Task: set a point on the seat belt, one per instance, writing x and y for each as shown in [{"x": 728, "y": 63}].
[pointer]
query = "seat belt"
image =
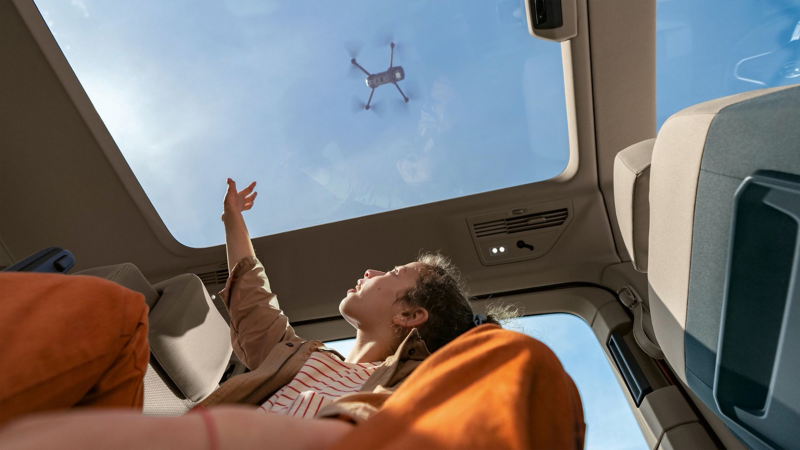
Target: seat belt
[{"x": 633, "y": 301}]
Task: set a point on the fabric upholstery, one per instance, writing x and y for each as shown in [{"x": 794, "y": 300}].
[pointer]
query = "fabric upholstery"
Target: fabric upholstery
[
  {"x": 126, "y": 275},
  {"x": 161, "y": 396},
  {"x": 632, "y": 199},
  {"x": 188, "y": 337},
  {"x": 490, "y": 388},
  {"x": 674, "y": 176},
  {"x": 69, "y": 341},
  {"x": 760, "y": 133}
]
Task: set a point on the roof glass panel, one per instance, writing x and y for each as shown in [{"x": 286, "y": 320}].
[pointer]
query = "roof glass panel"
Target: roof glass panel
[
  {"x": 195, "y": 92},
  {"x": 707, "y": 49}
]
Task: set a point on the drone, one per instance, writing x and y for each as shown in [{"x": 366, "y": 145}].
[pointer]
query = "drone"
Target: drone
[{"x": 392, "y": 75}]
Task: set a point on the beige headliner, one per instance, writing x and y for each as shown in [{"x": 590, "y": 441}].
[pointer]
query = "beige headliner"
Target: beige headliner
[{"x": 64, "y": 182}]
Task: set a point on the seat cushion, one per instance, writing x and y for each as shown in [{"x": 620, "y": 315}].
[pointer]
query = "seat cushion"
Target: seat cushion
[
  {"x": 161, "y": 396},
  {"x": 188, "y": 337}
]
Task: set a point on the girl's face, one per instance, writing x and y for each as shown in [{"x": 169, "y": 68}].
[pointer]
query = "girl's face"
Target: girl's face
[{"x": 372, "y": 303}]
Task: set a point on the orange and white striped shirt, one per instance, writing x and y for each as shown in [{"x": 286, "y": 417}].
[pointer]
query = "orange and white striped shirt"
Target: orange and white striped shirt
[{"x": 323, "y": 379}]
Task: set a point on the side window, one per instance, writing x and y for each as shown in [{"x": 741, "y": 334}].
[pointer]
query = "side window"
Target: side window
[
  {"x": 707, "y": 49},
  {"x": 343, "y": 346},
  {"x": 609, "y": 420}
]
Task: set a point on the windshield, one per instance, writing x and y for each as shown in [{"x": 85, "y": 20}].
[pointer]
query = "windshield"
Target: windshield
[{"x": 195, "y": 92}]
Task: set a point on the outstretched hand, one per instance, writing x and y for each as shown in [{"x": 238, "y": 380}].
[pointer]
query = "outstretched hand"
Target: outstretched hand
[{"x": 237, "y": 201}]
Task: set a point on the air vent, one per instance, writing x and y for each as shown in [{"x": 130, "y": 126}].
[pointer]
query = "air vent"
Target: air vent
[
  {"x": 219, "y": 276},
  {"x": 519, "y": 224}
]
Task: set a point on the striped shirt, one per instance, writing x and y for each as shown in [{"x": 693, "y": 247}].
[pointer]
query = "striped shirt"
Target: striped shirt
[{"x": 323, "y": 379}]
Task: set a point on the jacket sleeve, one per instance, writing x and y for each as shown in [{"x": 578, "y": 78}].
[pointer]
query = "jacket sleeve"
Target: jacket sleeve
[{"x": 257, "y": 322}]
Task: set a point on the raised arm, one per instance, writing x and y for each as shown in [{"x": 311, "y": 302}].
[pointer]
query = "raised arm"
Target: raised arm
[
  {"x": 237, "y": 239},
  {"x": 257, "y": 322}
]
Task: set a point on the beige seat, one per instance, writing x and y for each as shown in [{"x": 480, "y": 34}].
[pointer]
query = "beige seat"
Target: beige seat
[
  {"x": 189, "y": 340},
  {"x": 701, "y": 158},
  {"x": 631, "y": 198}
]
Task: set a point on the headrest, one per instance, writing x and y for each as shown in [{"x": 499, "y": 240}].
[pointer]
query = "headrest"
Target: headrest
[
  {"x": 188, "y": 337},
  {"x": 632, "y": 199},
  {"x": 126, "y": 275}
]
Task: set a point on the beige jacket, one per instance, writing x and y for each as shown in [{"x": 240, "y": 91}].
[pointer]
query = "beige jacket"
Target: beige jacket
[{"x": 265, "y": 342}]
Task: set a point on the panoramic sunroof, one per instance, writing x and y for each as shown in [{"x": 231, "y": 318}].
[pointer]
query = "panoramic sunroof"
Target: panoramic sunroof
[{"x": 195, "y": 92}]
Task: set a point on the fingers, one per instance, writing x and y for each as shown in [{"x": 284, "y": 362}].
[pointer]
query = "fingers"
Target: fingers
[
  {"x": 246, "y": 191},
  {"x": 231, "y": 185},
  {"x": 248, "y": 201}
]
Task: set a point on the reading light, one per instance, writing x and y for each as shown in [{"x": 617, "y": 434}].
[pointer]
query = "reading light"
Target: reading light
[
  {"x": 494, "y": 250},
  {"x": 502, "y": 249}
]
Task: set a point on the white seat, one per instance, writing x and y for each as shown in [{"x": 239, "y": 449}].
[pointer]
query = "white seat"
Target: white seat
[{"x": 189, "y": 340}]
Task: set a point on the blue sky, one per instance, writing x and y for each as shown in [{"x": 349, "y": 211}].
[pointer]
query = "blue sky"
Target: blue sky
[
  {"x": 707, "y": 49},
  {"x": 609, "y": 420},
  {"x": 196, "y": 91}
]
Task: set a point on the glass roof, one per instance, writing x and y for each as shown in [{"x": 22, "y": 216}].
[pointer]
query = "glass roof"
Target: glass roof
[
  {"x": 195, "y": 92},
  {"x": 714, "y": 48}
]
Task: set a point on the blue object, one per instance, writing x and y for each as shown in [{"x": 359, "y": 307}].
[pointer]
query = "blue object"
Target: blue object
[{"x": 49, "y": 260}]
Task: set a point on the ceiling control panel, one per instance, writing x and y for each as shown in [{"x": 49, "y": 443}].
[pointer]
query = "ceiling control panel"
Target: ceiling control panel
[{"x": 521, "y": 233}]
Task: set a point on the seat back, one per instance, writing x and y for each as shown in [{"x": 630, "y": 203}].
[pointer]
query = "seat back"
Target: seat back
[
  {"x": 189, "y": 340},
  {"x": 723, "y": 254}
]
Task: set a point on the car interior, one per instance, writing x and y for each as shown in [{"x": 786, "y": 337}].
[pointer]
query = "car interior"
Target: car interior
[{"x": 675, "y": 239}]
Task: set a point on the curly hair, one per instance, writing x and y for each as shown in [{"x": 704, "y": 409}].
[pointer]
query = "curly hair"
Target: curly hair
[{"x": 441, "y": 292}]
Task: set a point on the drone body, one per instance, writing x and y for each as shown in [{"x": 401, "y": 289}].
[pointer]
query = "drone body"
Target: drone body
[{"x": 391, "y": 75}]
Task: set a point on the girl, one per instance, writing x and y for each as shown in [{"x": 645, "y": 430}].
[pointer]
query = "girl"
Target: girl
[
  {"x": 400, "y": 316},
  {"x": 303, "y": 395}
]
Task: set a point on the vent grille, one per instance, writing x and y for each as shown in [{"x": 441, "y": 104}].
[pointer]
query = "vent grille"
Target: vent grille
[
  {"x": 219, "y": 276},
  {"x": 521, "y": 223}
]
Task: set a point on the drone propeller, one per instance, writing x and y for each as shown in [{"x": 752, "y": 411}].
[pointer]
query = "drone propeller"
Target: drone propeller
[
  {"x": 377, "y": 108},
  {"x": 411, "y": 89},
  {"x": 358, "y": 105},
  {"x": 353, "y": 48},
  {"x": 385, "y": 38}
]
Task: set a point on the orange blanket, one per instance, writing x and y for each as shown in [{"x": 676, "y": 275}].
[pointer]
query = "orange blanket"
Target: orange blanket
[
  {"x": 489, "y": 389},
  {"x": 69, "y": 340}
]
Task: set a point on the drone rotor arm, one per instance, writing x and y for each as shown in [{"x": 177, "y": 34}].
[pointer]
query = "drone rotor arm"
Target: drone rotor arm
[
  {"x": 353, "y": 61},
  {"x": 391, "y": 55},
  {"x": 370, "y": 98},
  {"x": 401, "y": 92}
]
